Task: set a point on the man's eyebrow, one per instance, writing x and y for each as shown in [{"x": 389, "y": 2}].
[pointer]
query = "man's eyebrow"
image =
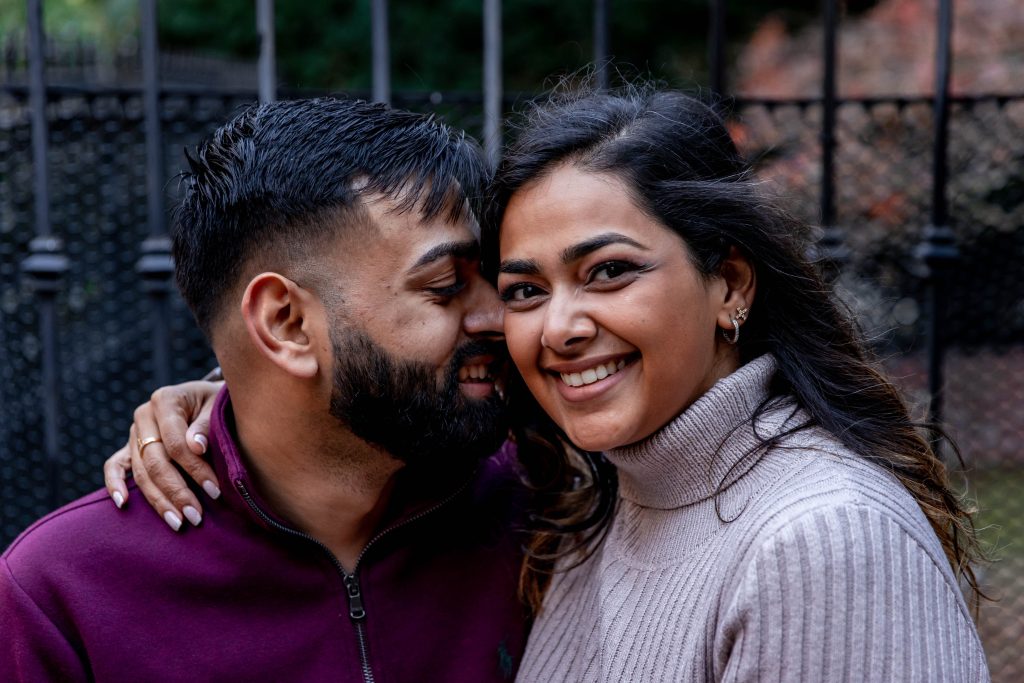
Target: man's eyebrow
[
  {"x": 469, "y": 249},
  {"x": 519, "y": 266},
  {"x": 578, "y": 251}
]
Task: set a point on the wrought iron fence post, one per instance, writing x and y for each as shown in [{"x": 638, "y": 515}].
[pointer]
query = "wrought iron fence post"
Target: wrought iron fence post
[
  {"x": 832, "y": 254},
  {"x": 492, "y": 81},
  {"x": 46, "y": 263},
  {"x": 155, "y": 265},
  {"x": 716, "y": 47},
  {"x": 267, "y": 66},
  {"x": 601, "y": 43},
  {"x": 938, "y": 250},
  {"x": 381, "y": 50}
]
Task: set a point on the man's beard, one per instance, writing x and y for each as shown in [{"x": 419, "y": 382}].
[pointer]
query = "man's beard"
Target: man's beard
[{"x": 399, "y": 406}]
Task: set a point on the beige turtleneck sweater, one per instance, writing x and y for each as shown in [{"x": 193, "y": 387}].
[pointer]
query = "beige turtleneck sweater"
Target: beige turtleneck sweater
[{"x": 827, "y": 571}]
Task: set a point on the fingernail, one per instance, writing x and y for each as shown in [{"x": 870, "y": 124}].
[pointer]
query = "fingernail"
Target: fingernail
[
  {"x": 173, "y": 520},
  {"x": 192, "y": 515},
  {"x": 212, "y": 490},
  {"x": 118, "y": 499},
  {"x": 201, "y": 440}
]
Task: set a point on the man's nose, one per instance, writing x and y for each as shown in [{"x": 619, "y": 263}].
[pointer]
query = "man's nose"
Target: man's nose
[{"x": 485, "y": 313}]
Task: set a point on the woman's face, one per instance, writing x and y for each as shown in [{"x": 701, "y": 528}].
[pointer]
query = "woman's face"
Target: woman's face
[{"x": 610, "y": 324}]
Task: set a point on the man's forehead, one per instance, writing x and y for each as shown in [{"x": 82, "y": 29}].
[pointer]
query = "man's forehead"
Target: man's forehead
[
  {"x": 422, "y": 240},
  {"x": 410, "y": 202}
]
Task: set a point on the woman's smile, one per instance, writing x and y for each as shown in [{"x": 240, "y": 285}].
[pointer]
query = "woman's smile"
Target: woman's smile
[{"x": 589, "y": 378}]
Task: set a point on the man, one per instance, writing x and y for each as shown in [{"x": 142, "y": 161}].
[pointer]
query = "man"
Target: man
[{"x": 327, "y": 249}]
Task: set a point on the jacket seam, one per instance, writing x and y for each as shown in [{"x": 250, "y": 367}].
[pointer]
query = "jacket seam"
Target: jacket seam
[
  {"x": 52, "y": 516},
  {"x": 28, "y": 596}
]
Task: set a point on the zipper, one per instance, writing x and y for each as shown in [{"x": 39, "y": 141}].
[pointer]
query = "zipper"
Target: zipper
[
  {"x": 356, "y": 609},
  {"x": 357, "y": 613}
]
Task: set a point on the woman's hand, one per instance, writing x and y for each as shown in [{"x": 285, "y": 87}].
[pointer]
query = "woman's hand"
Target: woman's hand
[{"x": 180, "y": 416}]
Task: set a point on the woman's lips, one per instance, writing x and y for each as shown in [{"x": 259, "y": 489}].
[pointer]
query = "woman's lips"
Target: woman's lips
[{"x": 587, "y": 379}]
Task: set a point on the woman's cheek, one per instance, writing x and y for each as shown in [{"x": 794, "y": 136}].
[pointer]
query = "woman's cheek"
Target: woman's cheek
[{"x": 517, "y": 338}]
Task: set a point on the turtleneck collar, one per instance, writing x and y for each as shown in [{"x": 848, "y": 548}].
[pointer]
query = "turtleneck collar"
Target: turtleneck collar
[{"x": 700, "y": 451}]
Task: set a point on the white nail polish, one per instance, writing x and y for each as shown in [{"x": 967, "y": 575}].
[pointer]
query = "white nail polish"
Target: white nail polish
[
  {"x": 173, "y": 520},
  {"x": 192, "y": 515},
  {"x": 118, "y": 499},
  {"x": 202, "y": 441},
  {"x": 212, "y": 490}
]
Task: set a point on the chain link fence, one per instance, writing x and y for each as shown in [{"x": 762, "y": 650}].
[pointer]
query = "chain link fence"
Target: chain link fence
[
  {"x": 883, "y": 197},
  {"x": 883, "y": 193}
]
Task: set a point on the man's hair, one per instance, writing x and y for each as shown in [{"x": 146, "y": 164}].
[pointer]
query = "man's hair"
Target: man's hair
[{"x": 279, "y": 178}]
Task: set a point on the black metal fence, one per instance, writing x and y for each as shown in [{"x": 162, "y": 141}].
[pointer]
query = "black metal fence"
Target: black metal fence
[{"x": 921, "y": 203}]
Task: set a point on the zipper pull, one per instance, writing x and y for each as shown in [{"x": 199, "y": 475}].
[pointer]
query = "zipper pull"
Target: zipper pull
[{"x": 355, "y": 599}]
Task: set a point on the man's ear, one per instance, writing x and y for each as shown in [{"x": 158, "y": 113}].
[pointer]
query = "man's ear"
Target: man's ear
[
  {"x": 741, "y": 283},
  {"x": 280, "y": 317}
]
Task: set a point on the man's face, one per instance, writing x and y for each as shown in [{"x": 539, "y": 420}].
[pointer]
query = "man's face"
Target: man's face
[{"x": 417, "y": 340}]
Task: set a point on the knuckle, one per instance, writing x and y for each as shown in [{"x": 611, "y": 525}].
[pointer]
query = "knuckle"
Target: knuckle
[
  {"x": 140, "y": 476},
  {"x": 167, "y": 480},
  {"x": 153, "y": 458},
  {"x": 196, "y": 468},
  {"x": 181, "y": 497},
  {"x": 174, "y": 445},
  {"x": 163, "y": 395}
]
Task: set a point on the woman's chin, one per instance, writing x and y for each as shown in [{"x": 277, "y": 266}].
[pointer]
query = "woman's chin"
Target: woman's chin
[{"x": 591, "y": 441}]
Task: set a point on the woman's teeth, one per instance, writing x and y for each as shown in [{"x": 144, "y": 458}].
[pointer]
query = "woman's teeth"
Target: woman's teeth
[
  {"x": 472, "y": 372},
  {"x": 591, "y": 375}
]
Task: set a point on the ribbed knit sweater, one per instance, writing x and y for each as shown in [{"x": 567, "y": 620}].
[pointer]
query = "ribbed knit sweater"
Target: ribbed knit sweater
[{"x": 825, "y": 569}]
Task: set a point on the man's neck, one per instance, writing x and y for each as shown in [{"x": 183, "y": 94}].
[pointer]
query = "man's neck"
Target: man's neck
[{"x": 323, "y": 480}]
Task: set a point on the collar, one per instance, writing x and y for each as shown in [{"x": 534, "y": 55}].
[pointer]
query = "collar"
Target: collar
[{"x": 701, "y": 451}]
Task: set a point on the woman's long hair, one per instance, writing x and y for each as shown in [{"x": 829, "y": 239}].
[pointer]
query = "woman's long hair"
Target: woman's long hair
[{"x": 676, "y": 156}]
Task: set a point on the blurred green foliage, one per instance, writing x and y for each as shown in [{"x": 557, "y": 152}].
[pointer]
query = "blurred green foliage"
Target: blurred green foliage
[
  {"x": 104, "y": 22},
  {"x": 435, "y": 44}
]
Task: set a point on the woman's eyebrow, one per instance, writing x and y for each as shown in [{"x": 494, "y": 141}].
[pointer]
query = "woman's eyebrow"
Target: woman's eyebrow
[
  {"x": 570, "y": 254},
  {"x": 578, "y": 251},
  {"x": 519, "y": 267}
]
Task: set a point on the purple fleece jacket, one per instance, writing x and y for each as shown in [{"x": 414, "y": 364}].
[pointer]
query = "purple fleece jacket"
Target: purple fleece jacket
[{"x": 93, "y": 593}]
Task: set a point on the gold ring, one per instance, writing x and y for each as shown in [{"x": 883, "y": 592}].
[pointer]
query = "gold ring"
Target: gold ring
[{"x": 145, "y": 442}]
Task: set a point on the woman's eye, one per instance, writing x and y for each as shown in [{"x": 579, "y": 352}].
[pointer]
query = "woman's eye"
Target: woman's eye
[
  {"x": 611, "y": 270},
  {"x": 520, "y": 292}
]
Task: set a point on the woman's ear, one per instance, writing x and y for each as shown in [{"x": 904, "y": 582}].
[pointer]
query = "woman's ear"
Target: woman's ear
[
  {"x": 280, "y": 317},
  {"x": 741, "y": 283}
]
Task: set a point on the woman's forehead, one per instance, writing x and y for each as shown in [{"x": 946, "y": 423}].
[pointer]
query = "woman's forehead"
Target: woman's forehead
[{"x": 571, "y": 204}]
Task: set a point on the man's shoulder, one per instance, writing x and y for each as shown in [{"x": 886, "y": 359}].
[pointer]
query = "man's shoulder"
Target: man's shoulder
[
  {"x": 72, "y": 522},
  {"x": 86, "y": 532}
]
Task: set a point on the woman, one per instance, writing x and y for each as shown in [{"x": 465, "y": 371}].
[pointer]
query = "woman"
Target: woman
[
  {"x": 770, "y": 481},
  {"x": 764, "y": 507}
]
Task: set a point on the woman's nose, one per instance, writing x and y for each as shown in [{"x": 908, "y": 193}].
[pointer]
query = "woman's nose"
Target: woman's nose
[{"x": 567, "y": 324}]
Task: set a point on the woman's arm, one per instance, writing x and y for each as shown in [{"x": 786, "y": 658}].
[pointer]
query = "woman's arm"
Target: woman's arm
[
  {"x": 848, "y": 593},
  {"x": 179, "y": 416}
]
